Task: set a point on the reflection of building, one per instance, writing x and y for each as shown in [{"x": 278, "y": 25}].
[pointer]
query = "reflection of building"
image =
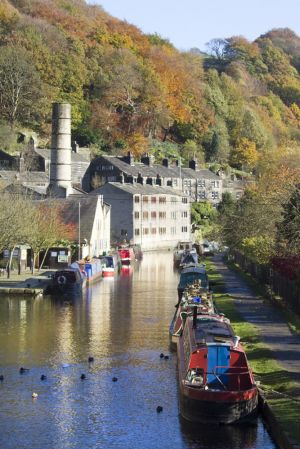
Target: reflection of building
[{"x": 152, "y": 216}]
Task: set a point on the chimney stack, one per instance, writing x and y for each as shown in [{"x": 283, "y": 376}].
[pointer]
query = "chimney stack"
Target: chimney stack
[
  {"x": 129, "y": 158},
  {"x": 193, "y": 164},
  {"x": 147, "y": 159},
  {"x": 60, "y": 168}
]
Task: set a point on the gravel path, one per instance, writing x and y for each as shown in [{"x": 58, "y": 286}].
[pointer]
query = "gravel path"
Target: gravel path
[{"x": 268, "y": 319}]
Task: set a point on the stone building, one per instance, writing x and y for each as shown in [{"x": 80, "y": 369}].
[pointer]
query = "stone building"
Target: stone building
[
  {"x": 198, "y": 184},
  {"x": 150, "y": 215}
]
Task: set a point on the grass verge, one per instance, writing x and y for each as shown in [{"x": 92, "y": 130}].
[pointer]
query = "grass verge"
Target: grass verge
[{"x": 277, "y": 383}]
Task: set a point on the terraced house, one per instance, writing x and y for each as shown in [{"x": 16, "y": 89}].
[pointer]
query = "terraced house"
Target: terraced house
[{"x": 198, "y": 184}]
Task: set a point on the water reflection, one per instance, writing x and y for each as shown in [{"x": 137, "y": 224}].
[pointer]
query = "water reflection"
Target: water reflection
[{"x": 123, "y": 323}]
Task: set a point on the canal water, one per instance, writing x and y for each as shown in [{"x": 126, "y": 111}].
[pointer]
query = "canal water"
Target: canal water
[{"x": 122, "y": 323}]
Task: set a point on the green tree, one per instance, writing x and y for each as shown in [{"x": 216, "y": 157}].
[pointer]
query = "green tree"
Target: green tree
[{"x": 288, "y": 235}]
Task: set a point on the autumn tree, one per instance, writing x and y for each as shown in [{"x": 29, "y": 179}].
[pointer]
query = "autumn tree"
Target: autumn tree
[
  {"x": 20, "y": 85},
  {"x": 48, "y": 229},
  {"x": 244, "y": 155},
  {"x": 288, "y": 235}
]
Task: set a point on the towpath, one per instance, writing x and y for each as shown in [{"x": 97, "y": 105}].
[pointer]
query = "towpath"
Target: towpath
[{"x": 267, "y": 318}]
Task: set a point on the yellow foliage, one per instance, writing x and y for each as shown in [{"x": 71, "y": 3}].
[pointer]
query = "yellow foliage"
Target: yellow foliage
[
  {"x": 138, "y": 144},
  {"x": 244, "y": 154},
  {"x": 296, "y": 111},
  {"x": 8, "y": 14}
]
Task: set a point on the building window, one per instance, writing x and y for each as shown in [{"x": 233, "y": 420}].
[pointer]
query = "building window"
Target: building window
[
  {"x": 145, "y": 215},
  {"x": 137, "y": 215},
  {"x": 174, "y": 182},
  {"x": 201, "y": 183},
  {"x": 201, "y": 195},
  {"x": 153, "y": 214},
  {"x": 162, "y": 231},
  {"x": 215, "y": 184},
  {"x": 184, "y": 200},
  {"x": 184, "y": 214},
  {"x": 173, "y": 230},
  {"x": 169, "y": 183},
  {"x": 136, "y": 232},
  {"x": 145, "y": 199},
  {"x": 215, "y": 195},
  {"x": 184, "y": 229},
  {"x": 173, "y": 215},
  {"x": 162, "y": 199},
  {"x": 153, "y": 230},
  {"x": 136, "y": 199},
  {"x": 153, "y": 199},
  {"x": 162, "y": 214},
  {"x": 145, "y": 231},
  {"x": 173, "y": 199}
]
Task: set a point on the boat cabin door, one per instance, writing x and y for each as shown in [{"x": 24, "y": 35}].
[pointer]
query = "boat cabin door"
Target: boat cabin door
[{"x": 218, "y": 358}]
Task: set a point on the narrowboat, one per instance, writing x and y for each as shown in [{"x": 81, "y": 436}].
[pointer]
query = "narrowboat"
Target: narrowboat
[
  {"x": 216, "y": 384},
  {"x": 111, "y": 264},
  {"x": 179, "y": 250},
  {"x": 189, "y": 257},
  {"x": 69, "y": 280},
  {"x": 126, "y": 254},
  {"x": 92, "y": 268},
  {"x": 190, "y": 274},
  {"x": 193, "y": 296}
]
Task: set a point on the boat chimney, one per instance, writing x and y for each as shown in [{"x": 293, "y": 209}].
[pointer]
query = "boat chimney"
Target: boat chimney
[{"x": 195, "y": 310}]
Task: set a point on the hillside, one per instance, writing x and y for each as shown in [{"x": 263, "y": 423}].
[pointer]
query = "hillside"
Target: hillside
[{"x": 239, "y": 105}]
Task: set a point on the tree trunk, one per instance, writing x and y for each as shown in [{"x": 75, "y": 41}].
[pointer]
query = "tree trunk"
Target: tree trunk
[
  {"x": 44, "y": 258},
  {"x": 9, "y": 262}
]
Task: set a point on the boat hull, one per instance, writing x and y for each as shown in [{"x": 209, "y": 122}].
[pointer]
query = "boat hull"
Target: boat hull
[
  {"x": 216, "y": 410},
  {"x": 108, "y": 273}
]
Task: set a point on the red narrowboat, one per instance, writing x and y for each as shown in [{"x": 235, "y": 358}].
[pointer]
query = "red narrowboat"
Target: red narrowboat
[
  {"x": 126, "y": 255},
  {"x": 216, "y": 384}
]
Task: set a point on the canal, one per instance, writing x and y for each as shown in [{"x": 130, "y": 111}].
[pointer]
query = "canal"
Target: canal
[{"x": 122, "y": 323}]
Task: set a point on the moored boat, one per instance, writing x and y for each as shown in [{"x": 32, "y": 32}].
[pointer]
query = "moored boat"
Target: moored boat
[
  {"x": 126, "y": 254},
  {"x": 111, "y": 264},
  {"x": 189, "y": 274},
  {"x": 216, "y": 383},
  {"x": 189, "y": 257},
  {"x": 69, "y": 280},
  {"x": 179, "y": 250},
  {"x": 194, "y": 296},
  {"x": 92, "y": 268}
]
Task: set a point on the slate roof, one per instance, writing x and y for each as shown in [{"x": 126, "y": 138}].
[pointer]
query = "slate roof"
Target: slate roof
[
  {"x": 139, "y": 167},
  {"x": 75, "y": 157},
  {"x": 70, "y": 212},
  {"x": 26, "y": 176},
  {"x": 137, "y": 188},
  {"x": 32, "y": 192},
  {"x": 157, "y": 169}
]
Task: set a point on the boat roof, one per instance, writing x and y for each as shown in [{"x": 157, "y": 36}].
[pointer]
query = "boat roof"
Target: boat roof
[
  {"x": 194, "y": 269},
  {"x": 212, "y": 329}
]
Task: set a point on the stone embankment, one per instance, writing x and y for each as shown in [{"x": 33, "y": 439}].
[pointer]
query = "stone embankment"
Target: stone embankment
[{"x": 26, "y": 284}]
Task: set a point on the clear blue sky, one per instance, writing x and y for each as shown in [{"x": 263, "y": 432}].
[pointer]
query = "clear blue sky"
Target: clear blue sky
[{"x": 192, "y": 23}]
